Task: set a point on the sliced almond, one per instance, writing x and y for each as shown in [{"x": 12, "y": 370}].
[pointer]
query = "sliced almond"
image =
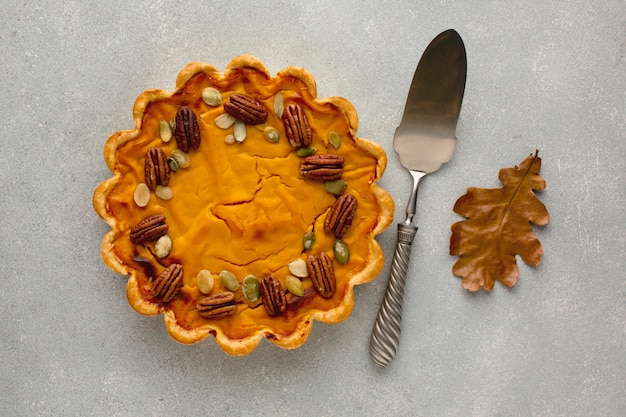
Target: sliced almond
[
  {"x": 141, "y": 195},
  {"x": 205, "y": 281},
  {"x": 164, "y": 192},
  {"x": 240, "y": 131},
  {"x": 224, "y": 121},
  {"x": 165, "y": 131},
  {"x": 279, "y": 104},
  {"x": 163, "y": 246},
  {"x": 297, "y": 267}
]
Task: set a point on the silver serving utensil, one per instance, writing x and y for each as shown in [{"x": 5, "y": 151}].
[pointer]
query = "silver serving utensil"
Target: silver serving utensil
[{"x": 424, "y": 140}]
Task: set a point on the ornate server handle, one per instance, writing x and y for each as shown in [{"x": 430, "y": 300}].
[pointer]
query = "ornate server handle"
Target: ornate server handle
[{"x": 386, "y": 332}]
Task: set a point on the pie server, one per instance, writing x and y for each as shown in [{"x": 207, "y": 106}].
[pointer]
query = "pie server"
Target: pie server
[{"x": 424, "y": 140}]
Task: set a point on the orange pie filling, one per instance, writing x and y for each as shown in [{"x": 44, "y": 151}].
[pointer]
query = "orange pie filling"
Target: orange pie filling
[{"x": 240, "y": 207}]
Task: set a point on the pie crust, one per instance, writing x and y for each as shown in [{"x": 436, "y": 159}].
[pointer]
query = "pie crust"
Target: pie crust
[{"x": 242, "y": 207}]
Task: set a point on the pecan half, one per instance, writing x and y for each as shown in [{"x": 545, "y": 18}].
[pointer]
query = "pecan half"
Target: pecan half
[
  {"x": 187, "y": 131},
  {"x": 168, "y": 283},
  {"x": 217, "y": 306},
  {"x": 322, "y": 167},
  {"x": 340, "y": 215},
  {"x": 156, "y": 169},
  {"x": 297, "y": 128},
  {"x": 274, "y": 298},
  {"x": 246, "y": 108},
  {"x": 322, "y": 274},
  {"x": 149, "y": 229}
]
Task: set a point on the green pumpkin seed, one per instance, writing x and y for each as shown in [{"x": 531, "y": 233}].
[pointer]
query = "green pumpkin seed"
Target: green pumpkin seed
[
  {"x": 229, "y": 280},
  {"x": 182, "y": 158},
  {"x": 294, "y": 285},
  {"x": 302, "y": 152},
  {"x": 251, "y": 288},
  {"x": 211, "y": 96},
  {"x": 308, "y": 241},
  {"x": 336, "y": 187},
  {"x": 334, "y": 139},
  {"x": 341, "y": 251},
  {"x": 271, "y": 134},
  {"x": 173, "y": 164}
]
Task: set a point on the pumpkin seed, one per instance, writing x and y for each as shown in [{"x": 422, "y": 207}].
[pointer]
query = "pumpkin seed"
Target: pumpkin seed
[
  {"x": 334, "y": 139},
  {"x": 240, "y": 130},
  {"x": 211, "y": 96},
  {"x": 251, "y": 288},
  {"x": 294, "y": 285},
  {"x": 141, "y": 195},
  {"x": 163, "y": 246},
  {"x": 279, "y": 104},
  {"x": 182, "y": 158},
  {"x": 205, "y": 281},
  {"x": 308, "y": 241},
  {"x": 341, "y": 251},
  {"x": 229, "y": 280},
  {"x": 165, "y": 131},
  {"x": 302, "y": 152},
  {"x": 298, "y": 268},
  {"x": 164, "y": 192},
  {"x": 224, "y": 121},
  {"x": 173, "y": 164},
  {"x": 271, "y": 134},
  {"x": 336, "y": 187}
]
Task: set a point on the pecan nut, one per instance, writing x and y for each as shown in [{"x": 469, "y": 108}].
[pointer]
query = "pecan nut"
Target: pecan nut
[
  {"x": 168, "y": 283},
  {"x": 246, "y": 108},
  {"x": 217, "y": 306},
  {"x": 340, "y": 215},
  {"x": 322, "y": 167},
  {"x": 149, "y": 229},
  {"x": 322, "y": 274},
  {"x": 156, "y": 169},
  {"x": 297, "y": 128},
  {"x": 187, "y": 131},
  {"x": 273, "y": 296}
]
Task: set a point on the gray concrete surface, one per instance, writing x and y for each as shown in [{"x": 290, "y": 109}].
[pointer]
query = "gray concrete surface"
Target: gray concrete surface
[{"x": 543, "y": 74}]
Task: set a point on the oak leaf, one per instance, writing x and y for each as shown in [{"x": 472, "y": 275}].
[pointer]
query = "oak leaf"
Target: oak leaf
[{"x": 498, "y": 227}]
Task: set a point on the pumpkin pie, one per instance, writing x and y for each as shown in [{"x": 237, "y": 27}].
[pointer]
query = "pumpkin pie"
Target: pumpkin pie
[{"x": 242, "y": 206}]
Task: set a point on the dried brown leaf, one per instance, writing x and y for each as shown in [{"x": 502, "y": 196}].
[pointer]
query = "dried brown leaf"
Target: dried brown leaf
[{"x": 498, "y": 227}]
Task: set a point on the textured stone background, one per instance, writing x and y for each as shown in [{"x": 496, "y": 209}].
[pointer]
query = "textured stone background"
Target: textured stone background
[{"x": 545, "y": 75}]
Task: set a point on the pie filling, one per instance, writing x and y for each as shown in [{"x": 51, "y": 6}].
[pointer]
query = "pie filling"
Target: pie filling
[{"x": 243, "y": 206}]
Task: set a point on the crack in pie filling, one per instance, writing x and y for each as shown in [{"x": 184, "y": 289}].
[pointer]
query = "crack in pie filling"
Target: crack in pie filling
[{"x": 242, "y": 206}]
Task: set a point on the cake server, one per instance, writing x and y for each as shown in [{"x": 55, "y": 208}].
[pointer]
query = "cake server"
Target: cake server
[{"x": 424, "y": 140}]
